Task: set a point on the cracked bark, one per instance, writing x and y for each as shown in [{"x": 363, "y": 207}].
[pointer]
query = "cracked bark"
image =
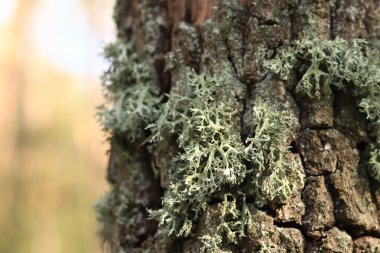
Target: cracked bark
[{"x": 338, "y": 209}]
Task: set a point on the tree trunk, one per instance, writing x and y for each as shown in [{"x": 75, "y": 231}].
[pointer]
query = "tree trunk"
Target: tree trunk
[{"x": 240, "y": 157}]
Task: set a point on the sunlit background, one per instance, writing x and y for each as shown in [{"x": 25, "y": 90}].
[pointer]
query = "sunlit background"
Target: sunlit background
[{"x": 52, "y": 158}]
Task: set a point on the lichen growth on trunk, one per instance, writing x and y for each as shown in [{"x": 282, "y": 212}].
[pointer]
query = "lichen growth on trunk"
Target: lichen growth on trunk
[
  {"x": 131, "y": 94},
  {"x": 213, "y": 158},
  {"x": 212, "y": 154},
  {"x": 200, "y": 122},
  {"x": 346, "y": 66}
]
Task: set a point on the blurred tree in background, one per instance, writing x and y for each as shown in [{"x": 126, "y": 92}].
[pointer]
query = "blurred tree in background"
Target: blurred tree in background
[{"x": 52, "y": 156}]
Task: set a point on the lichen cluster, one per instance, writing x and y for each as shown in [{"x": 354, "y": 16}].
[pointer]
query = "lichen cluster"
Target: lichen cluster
[
  {"x": 226, "y": 222},
  {"x": 211, "y": 243},
  {"x": 272, "y": 161},
  {"x": 132, "y": 100},
  {"x": 132, "y": 96},
  {"x": 374, "y": 162},
  {"x": 104, "y": 215},
  {"x": 214, "y": 159},
  {"x": 117, "y": 209},
  {"x": 123, "y": 208},
  {"x": 212, "y": 154},
  {"x": 346, "y": 66},
  {"x": 214, "y": 163}
]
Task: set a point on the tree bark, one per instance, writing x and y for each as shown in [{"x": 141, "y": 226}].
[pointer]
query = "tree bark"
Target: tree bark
[{"x": 335, "y": 204}]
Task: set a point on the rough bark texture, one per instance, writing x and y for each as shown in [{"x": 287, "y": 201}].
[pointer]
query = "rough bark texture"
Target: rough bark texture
[{"x": 336, "y": 208}]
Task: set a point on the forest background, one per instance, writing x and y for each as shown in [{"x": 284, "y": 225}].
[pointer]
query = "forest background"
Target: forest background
[{"x": 53, "y": 160}]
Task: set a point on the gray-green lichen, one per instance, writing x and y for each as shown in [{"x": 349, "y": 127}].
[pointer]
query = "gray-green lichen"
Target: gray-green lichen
[
  {"x": 212, "y": 154},
  {"x": 374, "y": 162},
  {"x": 267, "y": 248},
  {"x": 211, "y": 243},
  {"x": 104, "y": 216},
  {"x": 118, "y": 210},
  {"x": 232, "y": 216},
  {"x": 213, "y": 158},
  {"x": 132, "y": 102},
  {"x": 131, "y": 94},
  {"x": 214, "y": 166},
  {"x": 346, "y": 66},
  {"x": 269, "y": 153},
  {"x": 152, "y": 23}
]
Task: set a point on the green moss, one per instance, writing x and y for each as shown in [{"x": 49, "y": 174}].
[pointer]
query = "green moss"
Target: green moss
[
  {"x": 347, "y": 66},
  {"x": 131, "y": 93}
]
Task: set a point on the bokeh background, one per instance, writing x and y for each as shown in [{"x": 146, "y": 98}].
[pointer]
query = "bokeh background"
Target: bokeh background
[{"x": 52, "y": 152}]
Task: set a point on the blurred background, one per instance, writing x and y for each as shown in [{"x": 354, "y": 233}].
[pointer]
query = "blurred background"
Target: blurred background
[{"x": 52, "y": 152}]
